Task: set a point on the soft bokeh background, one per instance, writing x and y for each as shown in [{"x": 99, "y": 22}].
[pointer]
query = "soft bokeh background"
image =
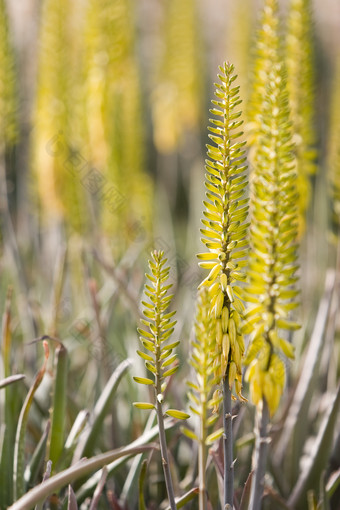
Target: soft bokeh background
[{"x": 112, "y": 100}]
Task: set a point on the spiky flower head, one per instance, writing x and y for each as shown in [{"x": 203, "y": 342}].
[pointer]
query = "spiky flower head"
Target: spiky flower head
[
  {"x": 225, "y": 231},
  {"x": 273, "y": 247},
  {"x": 158, "y": 326}
]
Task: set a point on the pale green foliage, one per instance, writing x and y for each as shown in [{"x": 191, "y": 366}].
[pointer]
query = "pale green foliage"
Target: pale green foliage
[
  {"x": 225, "y": 228},
  {"x": 273, "y": 248},
  {"x": 159, "y": 358},
  {"x": 8, "y": 103},
  {"x": 300, "y": 85},
  {"x": 177, "y": 97},
  {"x": 61, "y": 194}
]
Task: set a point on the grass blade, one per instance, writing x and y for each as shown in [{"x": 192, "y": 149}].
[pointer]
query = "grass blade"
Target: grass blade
[
  {"x": 36, "y": 462},
  {"x": 58, "y": 419},
  {"x": 310, "y": 476},
  {"x": 299, "y": 407},
  {"x": 189, "y": 496},
  {"x": 99, "y": 489},
  {"x": 82, "y": 468},
  {"x": 88, "y": 487},
  {"x": 88, "y": 440},
  {"x": 141, "y": 485},
  {"x": 9, "y": 420},
  {"x": 245, "y": 498},
  {"x": 19, "y": 447},
  {"x": 71, "y": 500},
  {"x": 128, "y": 495},
  {"x": 11, "y": 379}
]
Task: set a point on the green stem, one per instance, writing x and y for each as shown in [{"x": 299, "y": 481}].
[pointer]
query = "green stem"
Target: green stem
[
  {"x": 228, "y": 445},
  {"x": 260, "y": 458},
  {"x": 165, "y": 457}
]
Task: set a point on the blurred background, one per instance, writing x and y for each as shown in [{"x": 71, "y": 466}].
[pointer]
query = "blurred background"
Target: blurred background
[{"x": 103, "y": 113}]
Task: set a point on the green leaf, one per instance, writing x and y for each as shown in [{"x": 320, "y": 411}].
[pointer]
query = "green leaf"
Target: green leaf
[
  {"x": 318, "y": 456},
  {"x": 180, "y": 415},
  {"x": 141, "y": 485},
  {"x": 19, "y": 447},
  {"x": 88, "y": 439},
  {"x": 58, "y": 418},
  {"x": 77, "y": 471}
]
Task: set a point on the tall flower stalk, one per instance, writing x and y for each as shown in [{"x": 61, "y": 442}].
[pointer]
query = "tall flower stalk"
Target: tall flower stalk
[
  {"x": 272, "y": 263},
  {"x": 225, "y": 232},
  {"x": 160, "y": 359}
]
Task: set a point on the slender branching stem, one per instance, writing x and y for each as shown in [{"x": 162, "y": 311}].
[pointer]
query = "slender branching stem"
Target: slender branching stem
[
  {"x": 228, "y": 445},
  {"x": 260, "y": 457}
]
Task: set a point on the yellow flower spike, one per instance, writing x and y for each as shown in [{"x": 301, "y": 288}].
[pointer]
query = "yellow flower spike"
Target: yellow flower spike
[
  {"x": 225, "y": 228},
  {"x": 274, "y": 208}
]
